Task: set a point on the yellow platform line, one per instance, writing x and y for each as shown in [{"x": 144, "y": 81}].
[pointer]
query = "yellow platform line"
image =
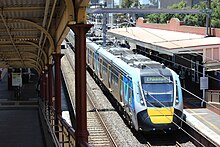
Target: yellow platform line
[{"x": 212, "y": 125}]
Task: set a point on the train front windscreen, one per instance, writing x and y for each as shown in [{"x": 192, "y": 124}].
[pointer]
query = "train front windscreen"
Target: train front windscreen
[{"x": 158, "y": 91}]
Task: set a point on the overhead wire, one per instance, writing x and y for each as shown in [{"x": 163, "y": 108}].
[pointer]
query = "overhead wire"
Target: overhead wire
[
  {"x": 181, "y": 65},
  {"x": 153, "y": 105},
  {"x": 175, "y": 44},
  {"x": 116, "y": 75},
  {"x": 194, "y": 94},
  {"x": 191, "y": 92}
]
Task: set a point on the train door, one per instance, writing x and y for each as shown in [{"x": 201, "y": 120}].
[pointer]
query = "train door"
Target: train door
[
  {"x": 121, "y": 89},
  {"x": 125, "y": 81},
  {"x": 100, "y": 67},
  {"x": 131, "y": 95},
  {"x": 128, "y": 93},
  {"x": 93, "y": 61},
  {"x": 96, "y": 63},
  {"x": 109, "y": 76},
  {"x": 88, "y": 56}
]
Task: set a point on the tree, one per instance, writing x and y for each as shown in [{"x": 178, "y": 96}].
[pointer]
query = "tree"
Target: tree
[
  {"x": 190, "y": 19},
  {"x": 163, "y": 18},
  {"x": 154, "y": 2},
  {"x": 215, "y": 21},
  {"x": 130, "y": 3},
  {"x": 196, "y": 19}
]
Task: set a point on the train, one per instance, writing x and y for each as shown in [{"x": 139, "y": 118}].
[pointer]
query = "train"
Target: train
[{"x": 149, "y": 93}]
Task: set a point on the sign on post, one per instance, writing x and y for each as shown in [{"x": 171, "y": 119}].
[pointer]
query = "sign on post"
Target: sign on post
[
  {"x": 16, "y": 79},
  {"x": 204, "y": 83}
]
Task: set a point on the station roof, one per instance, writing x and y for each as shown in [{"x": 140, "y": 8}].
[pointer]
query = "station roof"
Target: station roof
[
  {"x": 32, "y": 30},
  {"x": 168, "y": 42}
]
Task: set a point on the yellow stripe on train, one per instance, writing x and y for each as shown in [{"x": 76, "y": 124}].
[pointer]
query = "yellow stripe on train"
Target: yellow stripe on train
[{"x": 161, "y": 115}]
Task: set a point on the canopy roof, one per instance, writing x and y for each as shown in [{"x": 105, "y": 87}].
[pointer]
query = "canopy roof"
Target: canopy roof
[
  {"x": 171, "y": 42},
  {"x": 32, "y": 30}
]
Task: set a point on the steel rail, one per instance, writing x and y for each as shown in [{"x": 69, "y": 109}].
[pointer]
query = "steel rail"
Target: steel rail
[{"x": 89, "y": 95}]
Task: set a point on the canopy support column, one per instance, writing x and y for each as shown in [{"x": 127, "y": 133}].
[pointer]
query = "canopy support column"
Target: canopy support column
[
  {"x": 57, "y": 90},
  {"x": 80, "y": 31}
]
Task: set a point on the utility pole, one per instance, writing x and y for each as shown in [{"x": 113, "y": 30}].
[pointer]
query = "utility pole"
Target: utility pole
[
  {"x": 104, "y": 29},
  {"x": 208, "y": 17}
]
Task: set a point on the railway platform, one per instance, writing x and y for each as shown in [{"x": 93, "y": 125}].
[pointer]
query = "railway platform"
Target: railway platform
[
  {"x": 205, "y": 122},
  {"x": 20, "y": 123}
]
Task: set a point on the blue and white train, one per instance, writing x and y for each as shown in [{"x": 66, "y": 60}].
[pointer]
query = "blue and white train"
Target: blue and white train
[{"x": 149, "y": 92}]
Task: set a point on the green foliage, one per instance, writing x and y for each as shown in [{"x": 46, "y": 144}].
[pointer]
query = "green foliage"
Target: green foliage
[
  {"x": 163, "y": 18},
  {"x": 189, "y": 19},
  {"x": 215, "y": 21},
  {"x": 130, "y": 3},
  {"x": 153, "y": 2}
]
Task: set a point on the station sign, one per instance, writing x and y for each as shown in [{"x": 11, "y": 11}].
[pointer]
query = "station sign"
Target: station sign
[
  {"x": 204, "y": 83},
  {"x": 16, "y": 79}
]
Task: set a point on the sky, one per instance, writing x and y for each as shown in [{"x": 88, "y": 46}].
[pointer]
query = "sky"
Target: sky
[
  {"x": 141, "y": 1},
  {"x": 144, "y": 1}
]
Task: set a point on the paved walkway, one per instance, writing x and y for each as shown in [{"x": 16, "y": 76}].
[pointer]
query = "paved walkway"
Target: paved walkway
[
  {"x": 206, "y": 122},
  {"x": 20, "y": 128},
  {"x": 19, "y": 120}
]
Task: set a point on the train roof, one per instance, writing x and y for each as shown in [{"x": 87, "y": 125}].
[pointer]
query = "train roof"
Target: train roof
[
  {"x": 127, "y": 60},
  {"x": 134, "y": 60},
  {"x": 119, "y": 51}
]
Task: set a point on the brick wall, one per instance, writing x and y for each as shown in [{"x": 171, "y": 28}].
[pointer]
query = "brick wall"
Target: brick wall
[{"x": 176, "y": 25}]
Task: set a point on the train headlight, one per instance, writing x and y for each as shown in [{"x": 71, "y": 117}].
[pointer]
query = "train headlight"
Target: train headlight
[
  {"x": 142, "y": 102},
  {"x": 177, "y": 101}
]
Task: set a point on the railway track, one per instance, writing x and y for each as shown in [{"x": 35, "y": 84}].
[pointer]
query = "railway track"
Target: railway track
[
  {"x": 172, "y": 139},
  {"x": 99, "y": 135}
]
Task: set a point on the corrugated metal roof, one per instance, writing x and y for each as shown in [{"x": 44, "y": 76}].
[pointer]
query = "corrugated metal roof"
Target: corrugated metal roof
[
  {"x": 170, "y": 42},
  {"x": 22, "y": 23}
]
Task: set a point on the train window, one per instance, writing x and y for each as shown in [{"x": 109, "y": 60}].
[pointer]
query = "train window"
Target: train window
[
  {"x": 158, "y": 94},
  {"x": 130, "y": 93},
  {"x": 93, "y": 58},
  {"x": 96, "y": 63},
  {"x": 114, "y": 76},
  {"x": 105, "y": 66},
  {"x": 88, "y": 55}
]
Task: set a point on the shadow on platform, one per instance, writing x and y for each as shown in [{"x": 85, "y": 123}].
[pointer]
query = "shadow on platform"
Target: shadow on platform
[{"x": 19, "y": 116}]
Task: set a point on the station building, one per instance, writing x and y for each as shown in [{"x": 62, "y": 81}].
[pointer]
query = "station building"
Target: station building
[{"x": 185, "y": 49}]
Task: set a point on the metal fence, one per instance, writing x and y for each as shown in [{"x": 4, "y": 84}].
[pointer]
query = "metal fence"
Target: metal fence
[{"x": 62, "y": 133}]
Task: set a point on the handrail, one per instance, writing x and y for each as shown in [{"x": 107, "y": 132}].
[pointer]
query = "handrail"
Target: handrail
[
  {"x": 62, "y": 133},
  {"x": 56, "y": 142},
  {"x": 213, "y": 91}
]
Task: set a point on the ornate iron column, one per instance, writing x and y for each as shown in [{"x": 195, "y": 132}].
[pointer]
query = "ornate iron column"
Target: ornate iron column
[
  {"x": 80, "y": 31},
  {"x": 57, "y": 89},
  {"x": 50, "y": 86},
  {"x": 9, "y": 79}
]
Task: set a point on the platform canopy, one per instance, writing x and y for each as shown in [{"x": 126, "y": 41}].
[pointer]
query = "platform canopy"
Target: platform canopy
[
  {"x": 32, "y": 30},
  {"x": 171, "y": 42}
]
